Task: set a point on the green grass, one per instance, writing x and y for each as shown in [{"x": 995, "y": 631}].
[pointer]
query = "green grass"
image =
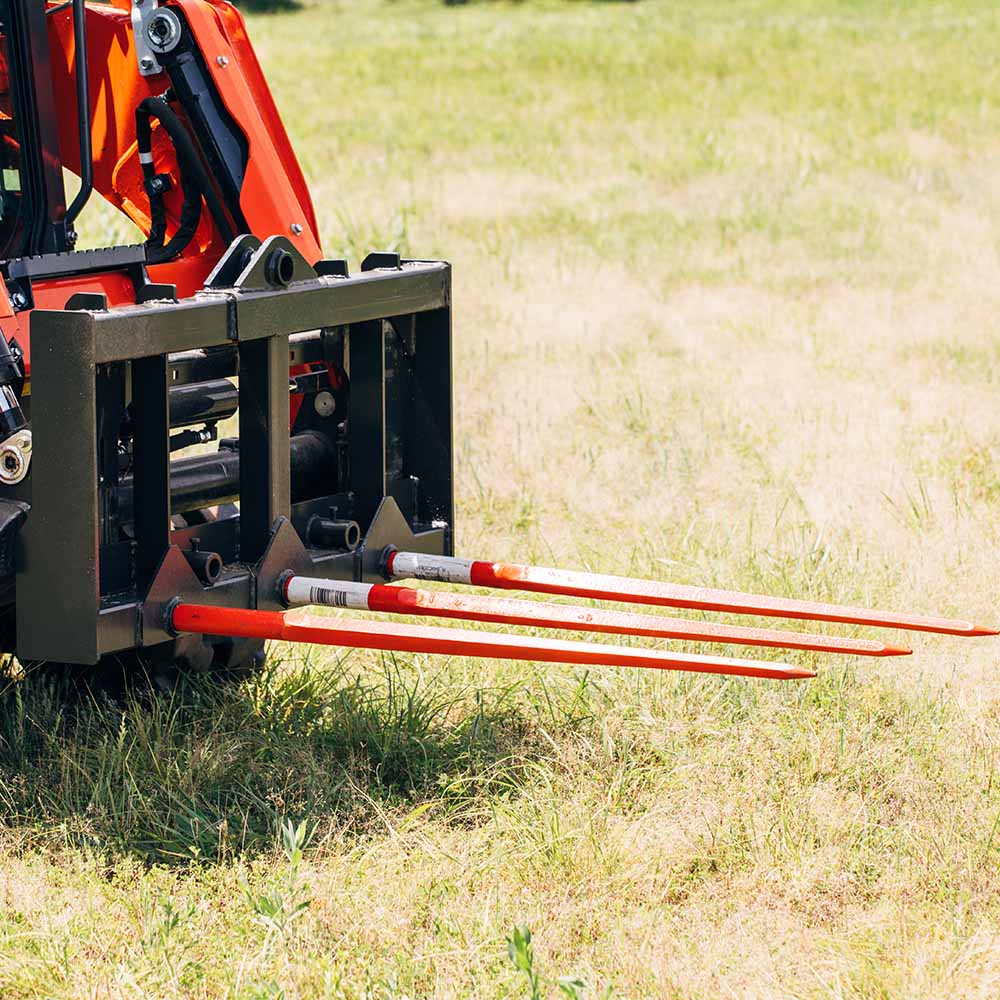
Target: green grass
[{"x": 726, "y": 300}]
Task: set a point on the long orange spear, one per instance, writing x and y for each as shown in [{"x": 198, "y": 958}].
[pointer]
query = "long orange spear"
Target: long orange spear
[
  {"x": 299, "y": 627},
  {"x": 511, "y": 576},
  {"x": 303, "y": 590}
]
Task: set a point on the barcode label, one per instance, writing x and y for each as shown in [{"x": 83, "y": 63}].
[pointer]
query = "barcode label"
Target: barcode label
[
  {"x": 332, "y": 598},
  {"x": 331, "y": 593}
]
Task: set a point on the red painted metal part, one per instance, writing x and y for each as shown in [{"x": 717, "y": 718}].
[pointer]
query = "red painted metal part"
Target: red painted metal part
[
  {"x": 116, "y": 90},
  {"x": 274, "y": 196},
  {"x": 571, "y": 583},
  {"x": 274, "y": 199},
  {"x": 474, "y": 607},
  {"x": 295, "y": 626},
  {"x": 537, "y": 614}
]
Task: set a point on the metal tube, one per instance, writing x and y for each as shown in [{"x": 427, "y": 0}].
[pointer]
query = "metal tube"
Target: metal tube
[
  {"x": 207, "y": 480},
  {"x": 207, "y": 363},
  {"x": 327, "y": 533},
  {"x": 206, "y": 565},
  {"x": 187, "y": 367},
  {"x": 203, "y": 402}
]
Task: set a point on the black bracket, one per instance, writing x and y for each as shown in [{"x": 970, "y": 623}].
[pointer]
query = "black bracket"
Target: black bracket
[{"x": 380, "y": 260}]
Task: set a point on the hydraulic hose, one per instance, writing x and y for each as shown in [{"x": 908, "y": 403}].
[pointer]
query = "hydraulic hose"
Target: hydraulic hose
[
  {"x": 195, "y": 183},
  {"x": 83, "y": 112}
]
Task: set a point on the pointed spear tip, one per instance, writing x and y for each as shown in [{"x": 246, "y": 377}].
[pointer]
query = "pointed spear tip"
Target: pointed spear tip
[
  {"x": 983, "y": 630},
  {"x": 895, "y": 651},
  {"x": 798, "y": 673}
]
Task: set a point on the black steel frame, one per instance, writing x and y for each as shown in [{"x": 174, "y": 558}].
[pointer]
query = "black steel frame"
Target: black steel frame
[
  {"x": 395, "y": 313},
  {"x": 37, "y": 123}
]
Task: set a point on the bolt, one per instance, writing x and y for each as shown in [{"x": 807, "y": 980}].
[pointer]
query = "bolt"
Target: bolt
[
  {"x": 296, "y": 229},
  {"x": 146, "y": 62},
  {"x": 223, "y": 61},
  {"x": 18, "y": 300}
]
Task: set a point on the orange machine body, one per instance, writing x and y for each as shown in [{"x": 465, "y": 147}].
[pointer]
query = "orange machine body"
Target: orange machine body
[{"x": 274, "y": 197}]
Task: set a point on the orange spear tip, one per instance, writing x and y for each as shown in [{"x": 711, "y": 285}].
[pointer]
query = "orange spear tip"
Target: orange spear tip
[
  {"x": 798, "y": 673},
  {"x": 983, "y": 630},
  {"x": 894, "y": 651}
]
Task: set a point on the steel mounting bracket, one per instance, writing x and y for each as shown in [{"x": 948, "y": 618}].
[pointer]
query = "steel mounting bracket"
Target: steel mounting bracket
[{"x": 143, "y": 12}]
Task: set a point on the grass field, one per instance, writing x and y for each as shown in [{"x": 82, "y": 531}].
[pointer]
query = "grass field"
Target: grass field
[{"x": 727, "y": 294}]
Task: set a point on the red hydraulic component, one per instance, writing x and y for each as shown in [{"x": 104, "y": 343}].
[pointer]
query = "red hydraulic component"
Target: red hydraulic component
[
  {"x": 302, "y": 590},
  {"x": 294, "y": 626},
  {"x": 570, "y": 583}
]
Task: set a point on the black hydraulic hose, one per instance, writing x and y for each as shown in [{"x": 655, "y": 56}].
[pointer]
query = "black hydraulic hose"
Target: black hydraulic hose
[
  {"x": 83, "y": 112},
  {"x": 195, "y": 183},
  {"x": 156, "y": 251}
]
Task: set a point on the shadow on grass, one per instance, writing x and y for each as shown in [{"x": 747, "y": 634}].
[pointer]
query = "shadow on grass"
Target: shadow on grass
[{"x": 208, "y": 770}]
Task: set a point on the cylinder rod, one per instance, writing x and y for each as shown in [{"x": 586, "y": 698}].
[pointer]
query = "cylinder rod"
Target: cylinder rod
[
  {"x": 203, "y": 402},
  {"x": 205, "y": 480}
]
